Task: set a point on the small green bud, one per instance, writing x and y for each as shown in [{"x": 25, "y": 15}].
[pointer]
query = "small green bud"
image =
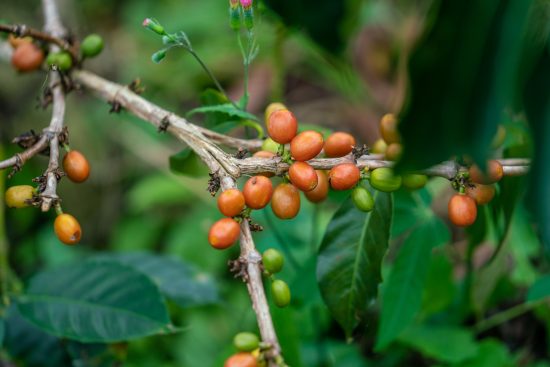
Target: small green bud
[
  {"x": 248, "y": 17},
  {"x": 235, "y": 18},
  {"x": 154, "y": 26},
  {"x": 158, "y": 56}
]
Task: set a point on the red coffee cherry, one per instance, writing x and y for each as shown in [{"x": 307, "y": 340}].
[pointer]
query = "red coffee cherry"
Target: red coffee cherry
[
  {"x": 231, "y": 202},
  {"x": 76, "y": 166},
  {"x": 282, "y": 126},
  {"x": 257, "y": 192},
  {"x": 344, "y": 176},
  {"x": 285, "y": 202},
  {"x": 494, "y": 173},
  {"x": 303, "y": 176},
  {"x": 339, "y": 144},
  {"x": 306, "y": 145},
  {"x": 320, "y": 192},
  {"x": 482, "y": 194},
  {"x": 241, "y": 360},
  {"x": 27, "y": 57},
  {"x": 67, "y": 229},
  {"x": 265, "y": 155},
  {"x": 462, "y": 210},
  {"x": 224, "y": 233}
]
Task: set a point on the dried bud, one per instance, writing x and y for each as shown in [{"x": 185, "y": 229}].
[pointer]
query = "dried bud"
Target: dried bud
[
  {"x": 233, "y": 4},
  {"x": 154, "y": 26}
]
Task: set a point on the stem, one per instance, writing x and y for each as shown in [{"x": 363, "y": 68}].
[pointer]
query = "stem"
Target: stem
[
  {"x": 506, "y": 315},
  {"x": 4, "y": 250}
]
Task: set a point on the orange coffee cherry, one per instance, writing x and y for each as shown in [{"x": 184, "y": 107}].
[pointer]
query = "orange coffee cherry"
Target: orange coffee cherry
[
  {"x": 482, "y": 194},
  {"x": 27, "y": 57},
  {"x": 320, "y": 192},
  {"x": 388, "y": 129},
  {"x": 494, "y": 173},
  {"x": 265, "y": 155},
  {"x": 306, "y": 145},
  {"x": 18, "y": 41},
  {"x": 231, "y": 202},
  {"x": 224, "y": 233},
  {"x": 339, "y": 144},
  {"x": 303, "y": 176},
  {"x": 462, "y": 210},
  {"x": 241, "y": 360},
  {"x": 257, "y": 192},
  {"x": 344, "y": 176},
  {"x": 67, "y": 229},
  {"x": 282, "y": 126},
  {"x": 394, "y": 151},
  {"x": 285, "y": 202},
  {"x": 76, "y": 166}
]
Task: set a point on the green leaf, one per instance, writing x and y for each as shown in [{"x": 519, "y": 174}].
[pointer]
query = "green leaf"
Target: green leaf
[
  {"x": 188, "y": 163},
  {"x": 177, "y": 280},
  {"x": 491, "y": 353},
  {"x": 95, "y": 302},
  {"x": 444, "y": 343},
  {"x": 2, "y": 331},
  {"x": 213, "y": 97},
  {"x": 156, "y": 190},
  {"x": 402, "y": 294},
  {"x": 439, "y": 289},
  {"x": 227, "y": 108},
  {"x": 350, "y": 256},
  {"x": 539, "y": 290}
]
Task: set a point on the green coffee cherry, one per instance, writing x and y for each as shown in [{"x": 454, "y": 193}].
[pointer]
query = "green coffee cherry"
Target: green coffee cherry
[
  {"x": 62, "y": 60},
  {"x": 413, "y": 181},
  {"x": 280, "y": 293},
  {"x": 362, "y": 199},
  {"x": 383, "y": 179},
  {"x": 91, "y": 45},
  {"x": 19, "y": 196},
  {"x": 273, "y": 261},
  {"x": 270, "y": 145},
  {"x": 246, "y": 342}
]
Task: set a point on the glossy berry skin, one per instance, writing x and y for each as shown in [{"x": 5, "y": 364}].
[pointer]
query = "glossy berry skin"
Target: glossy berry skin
[
  {"x": 494, "y": 173},
  {"x": 306, "y": 145},
  {"x": 362, "y": 199},
  {"x": 272, "y": 107},
  {"x": 282, "y": 126},
  {"x": 320, "y": 192},
  {"x": 270, "y": 145},
  {"x": 413, "y": 181},
  {"x": 257, "y": 192},
  {"x": 379, "y": 147},
  {"x": 339, "y": 144},
  {"x": 394, "y": 151},
  {"x": 462, "y": 210},
  {"x": 280, "y": 293},
  {"x": 67, "y": 229},
  {"x": 91, "y": 46},
  {"x": 482, "y": 194},
  {"x": 273, "y": 261},
  {"x": 383, "y": 179},
  {"x": 231, "y": 202},
  {"x": 241, "y": 360},
  {"x": 76, "y": 166},
  {"x": 303, "y": 176},
  {"x": 344, "y": 176},
  {"x": 285, "y": 202},
  {"x": 246, "y": 342},
  {"x": 19, "y": 196},
  {"x": 224, "y": 233},
  {"x": 388, "y": 129},
  {"x": 27, "y": 57}
]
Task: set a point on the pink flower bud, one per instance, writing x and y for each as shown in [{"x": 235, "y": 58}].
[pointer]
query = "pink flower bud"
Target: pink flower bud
[
  {"x": 154, "y": 26},
  {"x": 246, "y": 3}
]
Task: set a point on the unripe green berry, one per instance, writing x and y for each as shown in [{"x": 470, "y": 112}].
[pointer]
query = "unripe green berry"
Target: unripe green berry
[
  {"x": 64, "y": 61},
  {"x": 383, "y": 179},
  {"x": 280, "y": 293},
  {"x": 413, "y": 181},
  {"x": 269, "y": 145},
  {"x": 246, "y": 342},
  {"x": 91, "y": 45},
  {"x": 362, "y": 199},
  {"x": 273, "y": 261}
]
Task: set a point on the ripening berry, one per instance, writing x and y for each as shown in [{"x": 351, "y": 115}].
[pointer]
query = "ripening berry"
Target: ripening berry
[
  {"x": 273, "y": 261},
  {"x": 462, "y": 210},
  {"x": 231, "y": 202},
  {"x": 257, "y": 192},
  {"x": 285, "y": 202},
  {"x": 19, "y": 196},
  {"x": 306, "y": 145},
  {"x": 383, "y": 179},
  {"x": 272, "y": 107},
  {"x": 282, "y": 126},
  {"x": 413, "y": 181},
  {"x": 18, "y": 41},
  {"x": 303, "y": 176},
  {"x": 344, "y": 176},
  {"x": 280, "y": 293},
  {"x": 76, "y": 166},
  {"x": 224, "y": 233},
  {"x": 67, "y": 229},
  {"x": 394, "y": 151},
  {"x": 339, "y": 144},
  {"x": 362, "y": 199},
  {"x": 379, "y": 147},
  {"x": 241, "y": 360},
  {"x": 320, "y": 192},
  {"x": 388, "y": 129},
  {"x": 270, "y": 145},
  {"x": 246, "y": 342},
  {"x": 494, "y": 173},
  {"x": 27, "y": 57},
  {"x": 482, "y": 194}
]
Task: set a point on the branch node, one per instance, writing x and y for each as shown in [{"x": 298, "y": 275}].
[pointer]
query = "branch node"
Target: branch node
[
  {"x": 359, "y": 151},
  {"x": 164, "y": 123},
  {"x": 214, "y": 183},
  {"x": 241, "y": 153},
  {"x": 238, "y": 268}
]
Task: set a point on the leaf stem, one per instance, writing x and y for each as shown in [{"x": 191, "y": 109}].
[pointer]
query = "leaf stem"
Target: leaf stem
[{"x": 506, "y": 315}]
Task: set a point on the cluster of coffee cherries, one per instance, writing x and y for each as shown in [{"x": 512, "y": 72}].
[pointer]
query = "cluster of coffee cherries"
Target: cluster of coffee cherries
[
  {"x": 250, "y": 352},
  {"x": 28, "y": 55},
  {"x": 66, "y": 226}
]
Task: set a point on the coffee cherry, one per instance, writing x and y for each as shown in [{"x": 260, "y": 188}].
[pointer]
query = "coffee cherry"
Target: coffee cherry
[
  {"x": 388, "y": 129},
  {"x": 231, "y": 202},
  {"x": 273, "y": 261},
  {"x": 362, "y": 199},
  {"x": 27, "y": 57},
  {"x": 91, "y": 45},
  {"x": 62, "y": 60},
  {"x": 76, "y": 166},
  {"x": 257, "y": 192},
  {"x": 241, "y": 360},
  {"x": 18, "y": 41},
  {"x": 270, "y": 145},
  {"x": 494, "y": 173},
  {"x": 320, "y": 192},
  {"x": 383, "y": 179},
  {"x": 344, "y": 176},
  {"x": 413, "y": 181},
  {"x": 482, "y": 194},
  {"x": 246, "y": 342},
  {"x": 303, "y": 176},
  {"x": 379, "y": 147},
  {"x": 394, "y": 151},
  {"x": 282, "y": 126},
  {"x": 462, "y": 210},
  {"x": 306, "y": 145},
  {"x": 67, "y": 229},
  {"x": 224, "y": 233},
  {"x": 339, "y": 144},
  {"x": 280, "y": 293},
  {"x": 19, "y": 196},
  {"x": 272, "y": 107},
  {"x": 285, "y": 202},
  {"x": 265, "y": 155}
]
